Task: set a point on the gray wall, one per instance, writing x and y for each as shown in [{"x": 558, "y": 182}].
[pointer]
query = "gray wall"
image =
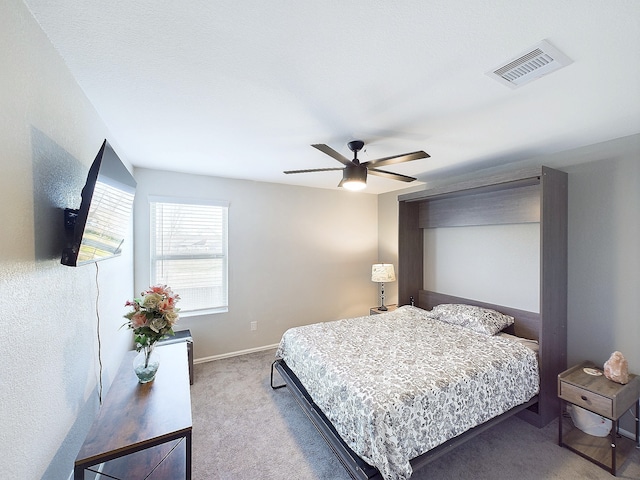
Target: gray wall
[
  {"x": 604, "y": 259},
  {"x": 48, "y": 341},
  {"x": 296, "y": 256}
]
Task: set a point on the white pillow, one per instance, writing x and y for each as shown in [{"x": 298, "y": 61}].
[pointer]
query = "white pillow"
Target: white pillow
[{"x": 478, "y": 319}]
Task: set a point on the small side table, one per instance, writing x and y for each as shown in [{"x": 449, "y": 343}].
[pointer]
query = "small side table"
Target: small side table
[
  {"x": 603, "y": 397},
  {"x": 182, "y": 336},
  {"x": 376, "y": 310}
]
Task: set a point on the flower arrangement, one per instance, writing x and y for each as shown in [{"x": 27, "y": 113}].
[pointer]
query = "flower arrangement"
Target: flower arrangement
[{"x": 153, "y": 316}]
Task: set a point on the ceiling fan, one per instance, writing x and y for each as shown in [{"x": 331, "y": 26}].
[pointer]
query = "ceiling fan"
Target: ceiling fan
[{"x": 354, "y": 173}]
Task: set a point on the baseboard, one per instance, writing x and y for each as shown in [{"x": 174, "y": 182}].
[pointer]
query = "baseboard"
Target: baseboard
[{"x": 234, "y": 354}]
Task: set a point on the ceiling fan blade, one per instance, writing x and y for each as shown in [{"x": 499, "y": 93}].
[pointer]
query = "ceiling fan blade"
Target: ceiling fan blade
[
  {"x": 391, "y": 175},
  {"x": 406, "y": 157},
  {"x": 332, "y": 153},
  {"x": 313, "y": 170}
]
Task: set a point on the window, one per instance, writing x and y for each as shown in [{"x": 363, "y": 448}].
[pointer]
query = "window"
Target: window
[{"x": 189, "y": 252}]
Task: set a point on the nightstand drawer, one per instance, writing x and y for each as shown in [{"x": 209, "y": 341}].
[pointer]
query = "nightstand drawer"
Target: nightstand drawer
[{"x": 586, "y": 399}]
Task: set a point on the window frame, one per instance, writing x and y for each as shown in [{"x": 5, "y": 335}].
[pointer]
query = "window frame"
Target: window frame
[{"x": 153, "y": 258}]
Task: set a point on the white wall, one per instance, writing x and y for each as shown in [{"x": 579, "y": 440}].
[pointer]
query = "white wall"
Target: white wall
[
  {"x": 48, "y": 349},
  {"x": 296, "y": 256},
  {"x": 496, "y": 263}
]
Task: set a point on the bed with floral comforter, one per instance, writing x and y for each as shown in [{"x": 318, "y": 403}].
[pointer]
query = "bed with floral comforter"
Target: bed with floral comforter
[{"x": 399, "y": 384}]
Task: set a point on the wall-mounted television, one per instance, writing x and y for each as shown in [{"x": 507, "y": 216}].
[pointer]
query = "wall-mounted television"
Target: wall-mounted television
[{"x": 97, "y": 230}]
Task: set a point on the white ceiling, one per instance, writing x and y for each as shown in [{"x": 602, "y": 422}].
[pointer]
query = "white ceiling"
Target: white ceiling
[{"x": 241, "y": 89}]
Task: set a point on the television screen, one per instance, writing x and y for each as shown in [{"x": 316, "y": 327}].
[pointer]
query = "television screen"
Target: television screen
[{"x": 97, "y": 230}]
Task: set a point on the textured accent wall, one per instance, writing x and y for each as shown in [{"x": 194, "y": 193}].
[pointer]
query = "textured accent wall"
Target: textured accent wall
[{"x": 50, "y": 375}]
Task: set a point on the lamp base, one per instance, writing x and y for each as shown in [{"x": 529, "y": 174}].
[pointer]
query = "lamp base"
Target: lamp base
[{"x": 382, "y": 308}]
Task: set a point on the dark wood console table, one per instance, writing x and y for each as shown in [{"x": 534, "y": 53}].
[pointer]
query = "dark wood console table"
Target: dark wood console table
[{"x": 142, "y": 431}]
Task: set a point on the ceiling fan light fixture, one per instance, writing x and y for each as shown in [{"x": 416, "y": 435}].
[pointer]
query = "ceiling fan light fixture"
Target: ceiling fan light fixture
[
  {"x": 354, "y": 173},
  {"x": 354, "y": 177},
  {"x": 354, "y": 185}
]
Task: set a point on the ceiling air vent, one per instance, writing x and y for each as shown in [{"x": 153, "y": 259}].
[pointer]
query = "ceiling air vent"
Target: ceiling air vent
[{"x": 539, "y": 60}]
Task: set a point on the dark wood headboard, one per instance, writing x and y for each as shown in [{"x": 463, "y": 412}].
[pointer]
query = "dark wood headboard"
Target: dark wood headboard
[{"x": 526, "y": 324}]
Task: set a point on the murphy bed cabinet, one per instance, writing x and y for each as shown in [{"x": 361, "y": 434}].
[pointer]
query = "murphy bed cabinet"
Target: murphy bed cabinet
[{"x": 535, "y": 194}]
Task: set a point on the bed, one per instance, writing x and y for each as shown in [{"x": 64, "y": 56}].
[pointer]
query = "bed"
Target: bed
[
  {"x": 418, "y": 386},
  {"x": 528, "y": 195}
]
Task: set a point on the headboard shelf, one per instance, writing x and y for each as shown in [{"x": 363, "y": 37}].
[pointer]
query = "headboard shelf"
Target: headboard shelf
[
  {"x": 535, "y": 194},
  {"x": 494, "y": 207}
]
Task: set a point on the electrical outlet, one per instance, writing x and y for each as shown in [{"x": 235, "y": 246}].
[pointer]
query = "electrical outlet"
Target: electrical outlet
[{"x": 254, "y": 325}]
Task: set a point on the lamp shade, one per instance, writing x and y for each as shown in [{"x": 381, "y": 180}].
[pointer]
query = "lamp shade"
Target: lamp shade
[{"x": 383, "y": 272}]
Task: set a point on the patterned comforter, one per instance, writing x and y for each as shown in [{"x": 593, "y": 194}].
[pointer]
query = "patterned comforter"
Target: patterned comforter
[{"x": 398, "y": 384}]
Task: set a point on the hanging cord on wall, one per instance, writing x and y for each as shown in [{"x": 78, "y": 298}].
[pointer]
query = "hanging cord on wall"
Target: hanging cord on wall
[{"x": 99, "y": 342}]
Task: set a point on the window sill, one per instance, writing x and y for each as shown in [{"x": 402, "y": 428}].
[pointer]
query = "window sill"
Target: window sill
[{"x": 200, "y": 313}]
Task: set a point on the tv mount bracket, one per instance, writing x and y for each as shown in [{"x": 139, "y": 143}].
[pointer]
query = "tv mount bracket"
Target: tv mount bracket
[{"x": 70, "y": 217}]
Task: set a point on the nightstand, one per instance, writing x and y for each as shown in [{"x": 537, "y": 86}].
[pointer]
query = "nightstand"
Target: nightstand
[
  {"x": 604, "y": 397},
  {"x": 376, "y": 311}
]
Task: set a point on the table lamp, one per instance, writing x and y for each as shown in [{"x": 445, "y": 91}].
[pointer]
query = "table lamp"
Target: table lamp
[{"x": 382, "y": 272}]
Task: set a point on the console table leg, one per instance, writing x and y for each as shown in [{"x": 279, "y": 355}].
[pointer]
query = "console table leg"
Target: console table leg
[{"x": 188, "y": 460}]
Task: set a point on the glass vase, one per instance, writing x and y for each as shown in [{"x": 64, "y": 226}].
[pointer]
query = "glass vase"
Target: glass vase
[{"x": 146, "y": 364}]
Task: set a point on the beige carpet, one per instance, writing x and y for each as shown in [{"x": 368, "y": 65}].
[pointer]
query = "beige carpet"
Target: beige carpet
[{"x": 242, "y": 429}]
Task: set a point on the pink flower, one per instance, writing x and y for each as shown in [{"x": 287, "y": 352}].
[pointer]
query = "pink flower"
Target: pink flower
[
  {"x": 165, "y": 305},
  {"x": 160, "y": 290},
  {"x": 129, "y": 303},
  {"x": 138, "y": 320},
  {"x": 153, "y": 315}
]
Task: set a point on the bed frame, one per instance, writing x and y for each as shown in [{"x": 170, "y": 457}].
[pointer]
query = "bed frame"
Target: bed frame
[
  {"x": 528, "y": 195},
  {"x": 525, "y": 325},
  {"x": 536, "y": 194}
]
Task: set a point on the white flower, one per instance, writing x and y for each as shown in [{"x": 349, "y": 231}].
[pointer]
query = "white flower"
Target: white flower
[
  {"x": 151, "y": 301},
  {"x": 157, "y": 324}
]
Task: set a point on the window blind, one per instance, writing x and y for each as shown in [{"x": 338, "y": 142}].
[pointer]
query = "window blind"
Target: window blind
[{"x": 189, "y": 253}]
